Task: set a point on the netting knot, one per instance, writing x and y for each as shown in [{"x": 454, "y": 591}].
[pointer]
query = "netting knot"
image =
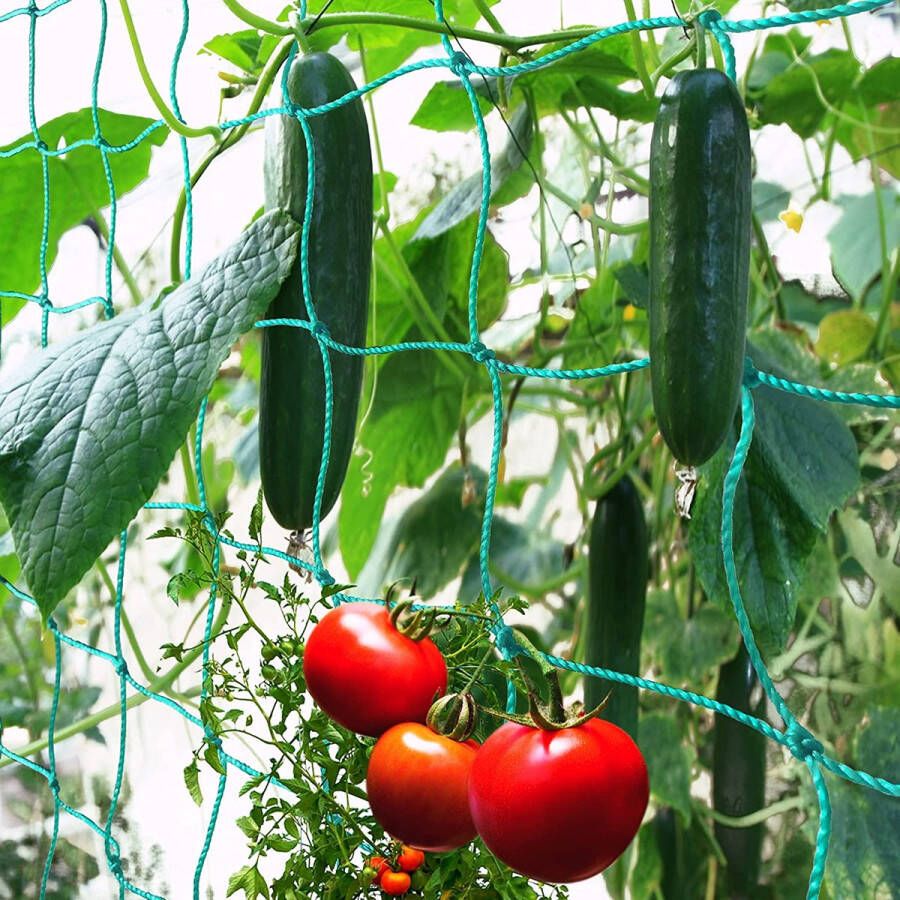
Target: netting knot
[
  {"x": 121, "y": 667},
  {"x": 53, "y": 784},
  {"x": 41, "y": 146},
  {"x": 320, "y": 330},
  {"x": 460, "y": 64},
  {"x": 751, "y": 374},
  {"x": 480, "y": 353},
  {"x": 505, "y": 641},
  {"x": 101, "y": 142},
  {"x": 709, "y": 19},
  {"x": 212, "y": 738},
  {"x": 801, "y": 743},
  {"x": 324, "y": 577}
]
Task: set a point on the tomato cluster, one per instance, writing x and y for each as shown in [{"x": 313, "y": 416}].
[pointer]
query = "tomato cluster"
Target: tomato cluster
[{"x": 556, "y": 803}]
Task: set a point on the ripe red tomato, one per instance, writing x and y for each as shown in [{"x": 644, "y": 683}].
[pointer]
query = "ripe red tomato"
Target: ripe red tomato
[
  {"x": 366, "y": 675},
  {"x": 417, "y": 784},
  {"x": 558, "y": 806},
  {"x": 410, "y": 858},
  {"x": 379, "y": 865},
  {"x": 395, "y": 883}
]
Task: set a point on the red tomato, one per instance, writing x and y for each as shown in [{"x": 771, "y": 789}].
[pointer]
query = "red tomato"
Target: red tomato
[
  {"x": 395, "y": 883},
  {"x": 366, "y": 675},
  {"x": 558, "y": 806},
  {"x": 379, "y": 865},
  {"x": 417, "y": 787},
  {"x": 410, "y": 858}
]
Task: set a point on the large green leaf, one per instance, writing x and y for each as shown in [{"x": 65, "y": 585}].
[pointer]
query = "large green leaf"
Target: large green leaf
[
  {"x": 792, "y": 97},
  {"x": 855, "y": 238},
  {"x": 669, "y": 761},
  {"x": 249, "y": 50},
  {"x": 447, "y": 107},
  {"x": 863, "y": 859},
  {"x": 688, "y": 649},
  {"x": 435, "y": 535},
  {"x": 404, "y": 440},
  {"x": 78, "y": 189},
  {"x": 802, "y": 466},
  {"x": 91, "y": 425},
  {"x": 465, "y": 198}
]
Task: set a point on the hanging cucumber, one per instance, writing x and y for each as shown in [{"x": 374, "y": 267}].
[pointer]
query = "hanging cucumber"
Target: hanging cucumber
[
  {"x": 699, "y": 260},
  {"x": 614, "y": 616},
  {"x": 292, "y": 387},
  {"x": 739, "y": 776}
]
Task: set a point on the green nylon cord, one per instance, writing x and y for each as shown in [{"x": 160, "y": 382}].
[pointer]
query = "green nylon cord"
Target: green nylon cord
[{"x": 793, "y": 736}]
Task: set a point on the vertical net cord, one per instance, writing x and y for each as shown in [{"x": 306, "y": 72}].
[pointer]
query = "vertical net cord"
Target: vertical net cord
[
  {"x": 182, "y": 140},
  {"x": 45, "y": 175}
]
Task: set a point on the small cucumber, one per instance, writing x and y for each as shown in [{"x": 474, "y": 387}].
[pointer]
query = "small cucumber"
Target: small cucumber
[{"x": 614, "y": 615}]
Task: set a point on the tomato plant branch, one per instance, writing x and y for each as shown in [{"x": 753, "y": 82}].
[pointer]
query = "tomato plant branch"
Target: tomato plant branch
[
  {"x": 159, "y": 685},
  {"x": 167, "y": 115}
]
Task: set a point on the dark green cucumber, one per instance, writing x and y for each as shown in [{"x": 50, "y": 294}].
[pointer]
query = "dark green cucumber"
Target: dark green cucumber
[
  {"x": 739, "y": 776},
  {"x": 699, "y": 260},
  {"x": 292, "y": 387},
  {"x": 617, "y": 589}
]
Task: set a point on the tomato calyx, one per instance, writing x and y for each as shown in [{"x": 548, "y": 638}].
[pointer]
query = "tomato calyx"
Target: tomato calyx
[
  {"x": 550, "y": 716},
  {"x": 454, "y": 716},
  {"x": 416, "y": 625}
]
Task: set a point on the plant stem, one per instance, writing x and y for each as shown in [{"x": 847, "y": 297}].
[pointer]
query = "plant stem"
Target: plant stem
[
  {"x": 160, "y": 685},
  {"x": 164, "y": 111},
  {"x": 596, "y": 493},
  {"x": 488, "y": 15},
  {"x": 639, "y": 62},
  {"x": 771, "y": 271},
  {"x": 266, "y": 77},
  {"x": 755, "y": 818},
  {"x": 605, "y": 224},
  {"x": 10, "y": 624}
]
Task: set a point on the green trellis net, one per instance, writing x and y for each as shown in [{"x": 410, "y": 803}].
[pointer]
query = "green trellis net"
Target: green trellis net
[{"x": 803, "y": 745}]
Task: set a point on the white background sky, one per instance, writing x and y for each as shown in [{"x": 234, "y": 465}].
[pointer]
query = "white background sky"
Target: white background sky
[{"x": 159, "y": 742}]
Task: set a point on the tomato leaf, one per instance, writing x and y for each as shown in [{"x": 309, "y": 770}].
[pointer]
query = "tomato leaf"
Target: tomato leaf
[
  {"x": 90, "y": 426},
  {"x": 802, "y": 466},
  {"x": 192, "y": 782},
  {"x": 249, "y": 880},
  {"x": 78, "y": 189}
]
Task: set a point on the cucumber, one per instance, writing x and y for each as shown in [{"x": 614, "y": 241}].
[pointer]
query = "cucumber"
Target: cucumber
[
  {"x": 617, "y": 589},
  {"x": 292, "y": 387},
  {"x": 699, "y": 260},
  {"x": 739, "y": 776}
]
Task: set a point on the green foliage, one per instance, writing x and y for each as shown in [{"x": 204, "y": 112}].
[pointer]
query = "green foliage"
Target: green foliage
[
  {"x": 133, "y": 430},
  {"x": 669, "y": 760},
  {"x": 78, "y": 189}
]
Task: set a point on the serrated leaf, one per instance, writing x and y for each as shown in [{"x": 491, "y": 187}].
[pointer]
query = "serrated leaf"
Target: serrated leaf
[
  {"x": 78, "y": 189},
  {"x": 90, "y": 426},
  {"x": 669, "y": 759},
  {"x": 249, "y": 880},
  {"x": 211, "y": 755},
  {"x": 802, "y": 466},
  {"x": 192, "y": 782},
  {"x": 465, "y": 198}
]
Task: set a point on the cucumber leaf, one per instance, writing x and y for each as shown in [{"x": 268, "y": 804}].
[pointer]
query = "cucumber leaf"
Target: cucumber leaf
[
  {"x": 802, "y": 466},
  {"x": 78, "y": 189},
  {"x": 89, "y": 428}
]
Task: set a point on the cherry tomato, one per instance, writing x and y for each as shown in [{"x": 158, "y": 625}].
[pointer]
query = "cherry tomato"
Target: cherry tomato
[
  {"x": 410, "y": 859},
  {"x": 366, "y": 675},
  {"x": 417, "y": 787},
  {"x": 395, "y": 883},
  {"x": 558, "y": 806},
  {"x": 379, "y": 865}
]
